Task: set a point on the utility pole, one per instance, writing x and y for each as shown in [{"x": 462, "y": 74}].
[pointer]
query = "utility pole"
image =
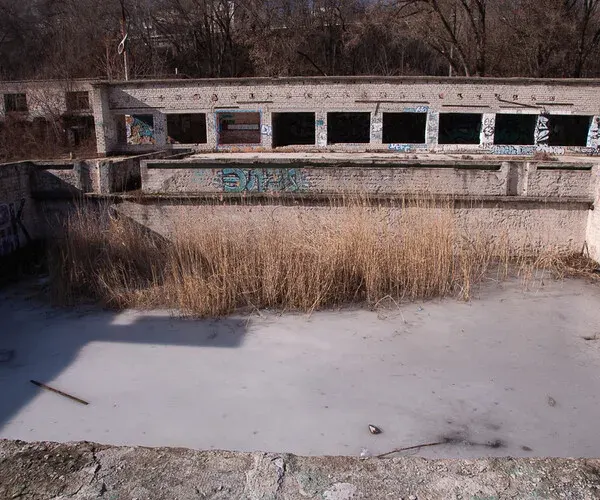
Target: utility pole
[
  {"x": 454, "y": 33},
  {"x": 123, "y": 45}
]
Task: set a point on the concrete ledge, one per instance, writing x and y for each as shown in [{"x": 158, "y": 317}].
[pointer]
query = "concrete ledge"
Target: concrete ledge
[{"x": 88, "y": 471}]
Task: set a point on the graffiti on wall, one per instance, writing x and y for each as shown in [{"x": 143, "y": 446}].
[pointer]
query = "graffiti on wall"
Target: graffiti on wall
[
  {"x": 433, "y": 127},
  {"x": 513, "y": 150},
  {"x": 263, "y": 180},
  {"x": 10, "y": 223},
  {"x": 542, "y": 133},
  {"x": 594, "y": 132},
  {"x": 418, "y": 109},
  {"x": 541, "y": 148},
  {"x": 139, "y": 129},
  {"x": 406, "y": 148},
  {"x": 488, "y": 129}
]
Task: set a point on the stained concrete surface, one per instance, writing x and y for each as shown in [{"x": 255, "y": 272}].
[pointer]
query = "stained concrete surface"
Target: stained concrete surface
[{"x": 513, "y": 372}]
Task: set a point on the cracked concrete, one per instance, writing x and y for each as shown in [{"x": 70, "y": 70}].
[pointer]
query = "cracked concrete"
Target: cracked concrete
[{"x": 86, "y": 471}]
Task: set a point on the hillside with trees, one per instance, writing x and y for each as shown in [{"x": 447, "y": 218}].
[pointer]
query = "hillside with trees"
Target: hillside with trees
[{"x": 237, "y": 38}]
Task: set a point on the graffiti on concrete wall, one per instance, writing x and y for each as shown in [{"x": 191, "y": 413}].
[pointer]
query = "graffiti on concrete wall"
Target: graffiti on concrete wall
[
  {"x": 513, "y": 150},
  {"x": 542, "y": 133},
  {"x": 10, "y": 223},
  {"x": 488, "y": 129},
  {"x": 321, "y": 133},
  {"x": 263, "y": 180},
  {"x": 593, "y": 138},
  {"x": 418, "y": 109},
  {"x": 139, "y": 129},
  {"x": 433, "y": 127},
  {"x": 541, "y": 148},
  {"x": 406, "y": 148}
]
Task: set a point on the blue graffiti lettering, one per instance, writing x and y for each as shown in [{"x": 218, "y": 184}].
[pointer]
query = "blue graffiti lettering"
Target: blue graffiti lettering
[{"x": 262, "y": 180}]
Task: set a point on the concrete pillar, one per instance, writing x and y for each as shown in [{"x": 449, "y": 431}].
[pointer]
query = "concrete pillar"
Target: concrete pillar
[
  {"x": 516, "y": 178},
  {"x": 321, "y": 128},
  {"x": 433, "y": 128},
  {"x": 160, "y": 129},
  {"x": 377, "y": 127},
  {"x": 106, "y": 130},
  {"x": 266, "y": 130},
  {"x": 488, "y": 129},
  {"x": 593, "y": 140},
  {"x": 542, "y": 133}
]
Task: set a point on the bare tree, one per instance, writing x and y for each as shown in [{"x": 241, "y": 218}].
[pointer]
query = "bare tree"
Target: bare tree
[{"x": 456, "y": 29}]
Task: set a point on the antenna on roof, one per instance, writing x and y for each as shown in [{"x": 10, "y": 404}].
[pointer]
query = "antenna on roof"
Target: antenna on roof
[{"x": 122, "y": 49}]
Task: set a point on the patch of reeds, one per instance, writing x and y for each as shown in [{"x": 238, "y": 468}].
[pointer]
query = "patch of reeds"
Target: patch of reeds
[{"x": 354, "y": 252}]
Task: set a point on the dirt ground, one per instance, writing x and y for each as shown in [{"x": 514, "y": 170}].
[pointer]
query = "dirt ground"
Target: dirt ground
[{"x": 515, "y": 373}]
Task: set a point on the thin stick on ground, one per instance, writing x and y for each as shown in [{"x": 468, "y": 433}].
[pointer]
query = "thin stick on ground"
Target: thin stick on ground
[
  {"x": 64, "y": 394},
  {"x": 408, "y": 448}
]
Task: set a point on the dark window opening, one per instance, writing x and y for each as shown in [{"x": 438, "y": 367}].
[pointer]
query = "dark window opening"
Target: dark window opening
[
  {"x": 459, "y": 128},
  {"x": 79, "y": 129},
  {"x": 568, "y": 130},
  {"x": 348, "y": 128},
  {"x": 238, "y": 127},
  {"x": 404, "y": 128},
  {"x": 293, "y": 129},
  {"x": 78, "y": 101},
  {"x": 15, "y": 103},
  {"x": 515, "y": 130},
  {"x": 186, "y": 128}
]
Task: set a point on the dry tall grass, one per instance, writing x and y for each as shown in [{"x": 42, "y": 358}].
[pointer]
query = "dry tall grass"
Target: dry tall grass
[{"x": 359, "y": 253}]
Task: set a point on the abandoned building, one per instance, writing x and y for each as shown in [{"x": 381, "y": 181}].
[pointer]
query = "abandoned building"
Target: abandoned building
[
  {"x": 518, "y": 155},
  {"x": 418, "y": 114}
]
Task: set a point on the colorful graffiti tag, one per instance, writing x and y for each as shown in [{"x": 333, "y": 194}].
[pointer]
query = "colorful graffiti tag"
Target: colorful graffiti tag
[
  {"x": 542, "y": 133},
  {"x": 140, "y": 129},
  {"x": 263, "y": 180}
]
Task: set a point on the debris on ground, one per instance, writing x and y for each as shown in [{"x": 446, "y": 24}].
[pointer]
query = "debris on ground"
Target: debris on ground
[
  {"x": 52, "y": 389},
  {"x": 408, "y": 448},
  {"x": 373, "y": 429}
]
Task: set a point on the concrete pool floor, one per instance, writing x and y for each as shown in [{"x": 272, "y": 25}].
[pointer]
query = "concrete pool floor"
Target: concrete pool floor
[{"x": 514, "y": 372}]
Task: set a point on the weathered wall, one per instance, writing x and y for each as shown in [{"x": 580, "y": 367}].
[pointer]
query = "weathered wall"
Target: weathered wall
[
  {"x": 46, "y": 98},
  {"x": 66, "y": 178},
  {"x": 20, "y": 220},
  {"x": 534, "y": 224},
  {"x": 374, "y": 95},
  {"x": 265, "y": 174},
  {"x": 241, "y": 177},
  {"x": 538, "y": 204},
  {"x": 593, "y": 225}
]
